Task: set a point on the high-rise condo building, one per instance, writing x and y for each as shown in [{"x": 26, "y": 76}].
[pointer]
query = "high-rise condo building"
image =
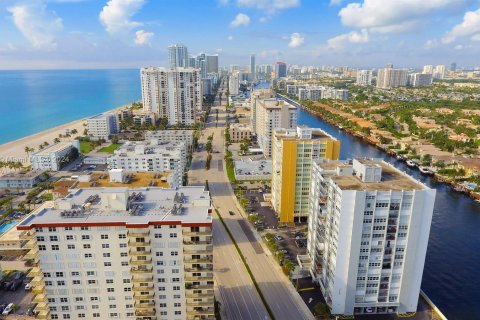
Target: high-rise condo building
[
  {"x": 453, "y": 66},
  {"x": 252, "y": 67},
  {"x": 280, "y": 70},
  {"x": 428, "y": 69},
  {"x": 368, "y": 232},
  {"x": 364, "y": 77},
  {"x": 141, "y": 253},
  {"x": 178, "y": 56},
  {"x": 420, "y": 79},
  {"x": 294, "y": 150},
  {"x": 255, "y": 97},
  {"x": 234, "y": 83},
  {"x": 439, "y": 72},
  {"x": 102, "y": 126},
  {"x": 212, "y": 63},
  {"x": 391, "y": 78},
  {"x": 174, "y": 94},
  {"x": 272, "y": 113}
]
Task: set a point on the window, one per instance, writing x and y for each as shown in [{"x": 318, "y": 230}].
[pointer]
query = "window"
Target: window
[
  {"x": 163, "y": 305},
  {"x": 124, "y": 263},
  {"x": 123, "y": 254},
  {"x": 75, "y": 273},
  {"x": 93, "y": 298},
  {"x": 177, "y": 304},
  {"x": 161, "y": 288},
  {"x": 92, "y": 281},
  {"x": 83, "y": 228},
  {"x": 96, "y": 315},
  {"x": 51, "y": 300},
  {"x": 173, "y": 227},
  {"x": 65, "y": 308},
  {"x": 47, "y": 275},
  {"x": 106, "y": 255},
  {"x": 173, "y": 235},
  {"x": 68, "y": 228},
  {"x": 76, "y": 282},
  {"x": 71, "y": 246},
  {"x": 52, "y": 229},
  {"x": 107, "y": 264},
  {"x": 78, "y": 299},
  {"x": 161, "y": 280},
  {"x": 123, "y": 245},
  {"x": 109, "y": 281},
  {"x": 174, "y": 253},
  {"x": 58, "y": 274},
  {"x": 105, "y": 246},
  {"x": 42, "y": 247},
  {"x": 40, "y": 238},
  {"x": 53, "y": 238},
  {"x": 126, "y": 280},
  {"x": 88, "y": 255},
  {"x": 110, "y": 289},
  {"x": 122, "y": 236},
  {"x": 175, "y": 279},
  {"x": 81, "y": 315},
  {"x": 60, "y": 283},
  {"x": 104, "y": 236},
  {"x": 63, "y": 299},
  {"x": 55, "y": 247},
  {"x": 54, "y": 316},
  {"x": 48, "y": 283},
  {"x": 176, "y": 288},
  {"x": 112, "y": 306},
  {"x": 87, "y": 246},
  {"x": 85, "y": 237},
  {"x": 90, "y": 273},
  {"x": 159, "y": 254},
  {"x": 158, "y": 235}
]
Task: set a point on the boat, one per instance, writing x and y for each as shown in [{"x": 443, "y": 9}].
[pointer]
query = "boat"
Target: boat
[
  {"x": 425, "y": 170},
  {"x": 411, "y": 163}
]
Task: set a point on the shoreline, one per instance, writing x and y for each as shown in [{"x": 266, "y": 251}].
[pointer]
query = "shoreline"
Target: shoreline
[{"x": 15, "y": 150}]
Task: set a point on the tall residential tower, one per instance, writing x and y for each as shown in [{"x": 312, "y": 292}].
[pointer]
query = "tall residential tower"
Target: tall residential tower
[{"x": 178, "y": 56}]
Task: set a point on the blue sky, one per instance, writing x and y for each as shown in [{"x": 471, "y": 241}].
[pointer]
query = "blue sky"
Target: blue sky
[{"x": 57, "y": 34}]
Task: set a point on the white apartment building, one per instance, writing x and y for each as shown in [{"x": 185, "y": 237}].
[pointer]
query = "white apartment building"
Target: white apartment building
[
  {"x": 102, "y": 126},
  {"x": 295, "y": 88},
  {"x": 319, "y": 92},
  {"x": 21, "y": 179},
  {"x": 175, "y": 94},
  {"x": 272, "y": 113},
  {"x": 420, "y": 79},
  {"x": 172, "y": 136},
  {"x": 53, "y": 157},
  {"x": 391, "y": 78},
  {"x": 364, "y": 78},
  {"x": 151, "y": 156},
  {"x": 119, "y": 253},
  {"x": 427, "y": 69},
  {"x": 368, "y": 233},
  {"x": 234, "y": 83},
  {"x": 439, "y": 71},
  {"x": 255, "y": 96},
  {"x": 311, "y": 93},
  {"x": 178, "y": 56}
]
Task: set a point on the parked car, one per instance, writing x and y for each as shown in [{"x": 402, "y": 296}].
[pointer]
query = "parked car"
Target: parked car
[
  {"x": 231, "y": 213},
  {"x": 31, "y": 309},
  {"x": 16, "y": 285},
  {"x": 28, "y": 287},
  {"x": 18, "y": 275},
  {"x": 278, "y": 237},
  {"x": 8, "y": 309},
  {"x": 2, "y": 307},
  {"x": 283, "y": 251}
]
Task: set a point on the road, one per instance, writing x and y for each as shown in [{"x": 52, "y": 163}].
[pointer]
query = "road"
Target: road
[{"x": 280, "y": 294}]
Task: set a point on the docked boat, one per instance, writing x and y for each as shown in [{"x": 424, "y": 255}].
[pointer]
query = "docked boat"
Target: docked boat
[
  {"x": 411, "y": 163},
  {"x": 425, "y": 170}
]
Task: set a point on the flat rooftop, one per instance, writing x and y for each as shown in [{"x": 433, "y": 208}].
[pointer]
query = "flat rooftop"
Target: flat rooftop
[
  {"x": 274, "y": 103},
  {"x": 392, "y": 178},
  {"x": 317, "y": 133},
  {"x": 22, "y": 175},
  {"x": 125, "y": 205},
  {"x": 53, "y": 148},
  {"x": 253, "y": 167},
  {"x": 138, "y": 179}
]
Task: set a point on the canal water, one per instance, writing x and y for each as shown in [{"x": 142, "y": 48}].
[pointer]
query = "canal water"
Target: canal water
[{"x": 451, "y": 276}]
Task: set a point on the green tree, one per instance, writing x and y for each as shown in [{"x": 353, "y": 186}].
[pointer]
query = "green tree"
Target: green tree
[{"x": 321, "y": 310}]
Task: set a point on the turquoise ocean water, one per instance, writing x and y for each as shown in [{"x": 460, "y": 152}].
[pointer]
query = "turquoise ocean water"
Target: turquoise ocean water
[{"x": 33, "y": 101}]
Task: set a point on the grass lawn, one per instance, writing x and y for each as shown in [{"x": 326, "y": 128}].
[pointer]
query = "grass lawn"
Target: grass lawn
[
  {"x": 110, "y": 148},
  {"x": 231, "y": 174},
  {"x": 85, "y": 147},
  {"x": 47, "y": 196}
]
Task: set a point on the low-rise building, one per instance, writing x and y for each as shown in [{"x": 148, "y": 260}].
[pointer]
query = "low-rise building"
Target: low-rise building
[
  {"x": 249, "y": 169},
  {"x": 21, "y": 179},
  {"x": 151, "y": 156},
  {"x": 102, "y": 126},
  {"x": 141, "y": 253},
  {"x": 172, "y": 136},
  {"x": 239, "y": 132},
  {"x": 53, "y": 157}
]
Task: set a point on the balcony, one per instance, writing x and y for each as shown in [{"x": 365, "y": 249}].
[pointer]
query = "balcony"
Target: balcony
[
  {"x": 199, "y": 269},
  {"x": 201, "y": 260},
  {"x": 38, "y": 290},
  {"x": 30, "y": 244},
  {"x": 141, "y": 270},
  {"x": 39, "y": 298},
  {"x": 138, "y": 233},
  {"x": 188, "y": 243},
  {"x": 204, "y": 277},
  {"x": 197, "y": 233},
  {"x": 37, "y": 281},
  {"x": 140, "y": 253},
  {"x": 199, "y": 295},
  {"x": 142, "y": 279},
  {"x": 143, "y": 243},
  {"x": 199, "y": 303},
  {"x": 147, "y": 261},
  {"x": 43, "y": 315},
  {"x": 198, "y": 249},
  {"x": 31, "y": 255},
  {"x": 140, "y": 296},
  {"x": 41, "y": 306},
  {"x": 34, "y": 272},
  {"x": 147, "y": 305},
  {"x": 27, "y": 235},
  {"x": 143, "y": 288},
  {"x": 145, "y": 313},
  {"x": 189, "y": 286}
]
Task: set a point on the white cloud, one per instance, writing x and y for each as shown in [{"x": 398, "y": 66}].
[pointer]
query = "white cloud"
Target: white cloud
[
  {"x": 430, "y": 44},
  {"x": 240, "y": 20},
  {"x": 269, "y": 6},
  {"x": 116, "y": 14},
  {"x": 470, "y": 26},
  {"x": 36, "y": 23},
  {"x": 392, "y": 16},
  {"x": 142, "y": 37},
  {"x": 230, "y": 38},
  {"x": 269, "y": 54},
  {"x": 340, "y": 41},
  {"x": 296, "y": 40}
]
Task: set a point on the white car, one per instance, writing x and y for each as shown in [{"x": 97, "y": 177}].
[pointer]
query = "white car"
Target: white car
[
  {"x": 8, "y": 309},
  {"x": 28, "y": 287}
]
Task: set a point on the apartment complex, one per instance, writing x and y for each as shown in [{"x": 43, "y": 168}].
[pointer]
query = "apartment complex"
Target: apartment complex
[
  {"x": 391, "y": 78},
  {"x": 53, "y": 157},
  {"x": 102, "y": 126},
  {"x": 420, "y": 79},
  {"x": 318, "y": 92},
  {"x": 251, "y": 67},
  {"x": 280, "y": 70},
  {"x": 272, "y": 113},
  {"x": 368, "y": 232},
  {"x": 239, "y": 132},
  {"x": 294, "y": 150},
  {"x": 121, "y": 253},
  {"x": 234, "y": 83},
  {"x": 255, "y": 96},
  {"x": 151, "y": 156},
  {"x": 175, "y": 94},
  {"x": 364, "y": 77},
  {"x": 172, "y": 136},
  {"x": 21, "y": 179},
  {"x": 178, "y": 56}
]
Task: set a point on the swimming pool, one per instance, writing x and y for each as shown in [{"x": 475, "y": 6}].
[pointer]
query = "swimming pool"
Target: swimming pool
[{"x": 7, "y": 226}]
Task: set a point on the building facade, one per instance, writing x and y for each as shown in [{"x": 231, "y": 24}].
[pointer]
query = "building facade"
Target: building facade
[
  {"x": 255, "y": 97},
  {"x": 294, "y": 150},
  {"x": 364, "y": 78},
  {"x": 175, "y": 94},
  {"x": 280, "y": 70},
  {"x": 391, "y": 78},
  {"x": 53, "y": 157},
  {"x": 185, "y": 136},
  {"x": 151, "y": 156},
  {"x": 420, "y": 79},
  {"x": 102, "y": 126},
  {"x": 21, "y": 180},
  {"x": 239, "y": 132},
  {"x": 234, "y": 83},
  {"x": 251, "y": 67},
  {"x": 178, "y": 56},
  {"x": 102, "y": 253},
  {"x": 368, "y": 233},
  {"x": 272, "y": 113}
]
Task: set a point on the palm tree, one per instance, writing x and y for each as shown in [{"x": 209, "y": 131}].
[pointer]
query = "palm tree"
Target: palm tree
[
  {"x": 56, "y": 140},
  {"x": 74, "y": 131},
  {"x": 40, "y": 147},
  {"x": 28, "y": 150},
  {"x": 45, "y": 143}
]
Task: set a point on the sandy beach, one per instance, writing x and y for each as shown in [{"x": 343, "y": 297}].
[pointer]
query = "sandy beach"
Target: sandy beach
[{"x": 15, "y": 150}]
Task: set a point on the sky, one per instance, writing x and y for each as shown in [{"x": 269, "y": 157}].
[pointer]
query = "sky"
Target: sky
[{"x": 86, "y": 34}]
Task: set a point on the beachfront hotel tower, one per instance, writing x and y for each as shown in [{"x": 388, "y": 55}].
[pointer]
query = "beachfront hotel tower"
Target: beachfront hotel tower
[
  {"x": 368, "y": 231},
  {"x": 178, "y": 56},
  {"x": 175, "y": 94},
  {"x": 294, "y": 150},
  {"x": 143, "y": 253}
]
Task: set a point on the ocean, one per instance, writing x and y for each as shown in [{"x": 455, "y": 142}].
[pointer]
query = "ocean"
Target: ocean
[{"x": 33, "y": 101}]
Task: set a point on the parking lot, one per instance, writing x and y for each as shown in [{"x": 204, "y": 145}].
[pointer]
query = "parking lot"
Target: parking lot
[{"x": 18, "y": 296}]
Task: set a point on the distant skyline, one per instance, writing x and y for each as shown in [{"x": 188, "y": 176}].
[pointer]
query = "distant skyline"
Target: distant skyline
[{"x": 80, "y": 34}]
